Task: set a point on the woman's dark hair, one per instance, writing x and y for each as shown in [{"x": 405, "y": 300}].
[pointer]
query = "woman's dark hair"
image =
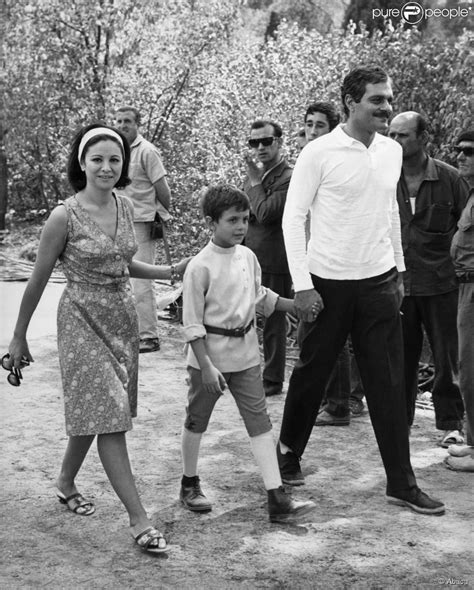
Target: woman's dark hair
[{"x": 76, "y": 176}]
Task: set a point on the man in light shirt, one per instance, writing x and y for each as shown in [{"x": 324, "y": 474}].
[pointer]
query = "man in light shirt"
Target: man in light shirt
[
  {"x": 149, "y": 193},
  {"x": 349, "y": 282}
]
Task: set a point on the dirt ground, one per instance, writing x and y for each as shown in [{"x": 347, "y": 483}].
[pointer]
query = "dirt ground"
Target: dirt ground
[{"x": 355, "y": 539}]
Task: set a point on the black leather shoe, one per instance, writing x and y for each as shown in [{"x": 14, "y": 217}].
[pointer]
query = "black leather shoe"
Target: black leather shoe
[
  {"x": 149, "y": 345},
  {"x": 192, "y": 496},
  {"x": 290, "y": 470},
  {"x": 281, "y": 508},
  {"x": 419, "y": 502},
  {"x": 272, "y": 388}
]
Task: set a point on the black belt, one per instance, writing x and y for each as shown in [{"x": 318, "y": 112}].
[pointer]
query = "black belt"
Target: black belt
[
  {"x": 465, "y": 277},
  {"x": 235, "y": 332}
]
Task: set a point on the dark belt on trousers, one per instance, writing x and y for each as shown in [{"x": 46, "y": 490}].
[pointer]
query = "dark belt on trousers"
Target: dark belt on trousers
[
  {"x": 465, "y": 277},
  {"x": 235, "y": 332}
]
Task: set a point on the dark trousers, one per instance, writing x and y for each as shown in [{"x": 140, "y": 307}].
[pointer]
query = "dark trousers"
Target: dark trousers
[
  {"x": 466, "y": 354},
  {"x": 274, "y": 330},
  {"x": 367, "y": 309},
  {"x": 338, "y": 389},
  {"x": 437, "y": 313}
]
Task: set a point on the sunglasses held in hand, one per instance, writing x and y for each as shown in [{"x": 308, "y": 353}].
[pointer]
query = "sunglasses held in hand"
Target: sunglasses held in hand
[
  {"x": 265, "y": 141},
  {"x": 15, "y": 376}
]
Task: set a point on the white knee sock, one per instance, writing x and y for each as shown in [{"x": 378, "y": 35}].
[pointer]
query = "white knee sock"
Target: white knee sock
[
  {"x": 263, "y": 449},
  {"x": 190, "y": 442}
]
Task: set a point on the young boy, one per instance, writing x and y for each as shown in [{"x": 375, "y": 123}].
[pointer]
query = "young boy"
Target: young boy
[{"x": 221, "y": 290}]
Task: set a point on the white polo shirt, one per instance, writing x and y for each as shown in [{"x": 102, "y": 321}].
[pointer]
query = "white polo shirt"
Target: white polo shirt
[{"x": 351, "y": 193}]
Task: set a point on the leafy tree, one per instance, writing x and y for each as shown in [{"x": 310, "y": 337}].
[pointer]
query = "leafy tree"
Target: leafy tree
[{"x": 200, "y": 81}]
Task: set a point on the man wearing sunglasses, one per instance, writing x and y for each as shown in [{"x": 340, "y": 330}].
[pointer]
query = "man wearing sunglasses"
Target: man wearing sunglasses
[
  {"x": 268, "y": 178},
  {"x": 461, "y": 458},
  {"x": 431, "y": 196}
]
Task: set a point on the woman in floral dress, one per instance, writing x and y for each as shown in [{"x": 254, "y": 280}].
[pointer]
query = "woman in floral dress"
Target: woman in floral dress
[{"x": 91, "y": 233}]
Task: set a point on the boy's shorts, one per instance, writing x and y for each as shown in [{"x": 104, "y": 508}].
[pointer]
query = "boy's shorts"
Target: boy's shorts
[{"x": 246, "y": 387}]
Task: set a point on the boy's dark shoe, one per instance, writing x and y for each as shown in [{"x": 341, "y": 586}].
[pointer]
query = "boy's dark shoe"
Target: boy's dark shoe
[
  {"x": 192, "y": 496},
  {"x": 419, "y": 502},
  {"x": 281, "y": 508},
  {"x": 149, "y": 345},
  {"x": 290, "y": 470}
]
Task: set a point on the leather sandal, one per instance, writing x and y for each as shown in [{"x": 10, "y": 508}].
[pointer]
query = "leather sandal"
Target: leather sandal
[
  {"x": 149, "y": 540},
  {"x": 451, "y": 437},
  {"x": 76, "y": 503}
]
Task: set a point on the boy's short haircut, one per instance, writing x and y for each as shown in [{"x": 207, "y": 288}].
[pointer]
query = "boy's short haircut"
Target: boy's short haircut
[{"x": 221, "y": 197}]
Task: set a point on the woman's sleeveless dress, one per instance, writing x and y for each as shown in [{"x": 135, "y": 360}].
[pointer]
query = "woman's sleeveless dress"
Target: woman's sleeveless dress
[{"x": 97, "y": 324}]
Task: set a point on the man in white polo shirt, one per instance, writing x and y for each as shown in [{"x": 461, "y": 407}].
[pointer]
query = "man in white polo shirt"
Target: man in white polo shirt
[
  {"x": 150, "y": 194},
  {"x": 349, "y": 282}
]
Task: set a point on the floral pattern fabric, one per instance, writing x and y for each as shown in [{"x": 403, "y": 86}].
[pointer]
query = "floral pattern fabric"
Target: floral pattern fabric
[{"x": 97, "y": 324}]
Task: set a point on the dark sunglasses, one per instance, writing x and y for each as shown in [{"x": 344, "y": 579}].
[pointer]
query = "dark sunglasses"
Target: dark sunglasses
[
  {"x": 467, "y": 151},
  {"x": 265, "y": 141},
  {"x": 15, "y": 376}
]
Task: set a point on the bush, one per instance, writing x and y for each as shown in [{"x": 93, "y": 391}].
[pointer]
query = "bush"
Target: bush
[{"x": 199, "y": 89}]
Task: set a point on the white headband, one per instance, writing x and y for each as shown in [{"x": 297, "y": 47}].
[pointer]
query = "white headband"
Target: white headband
[{"x": 92, "y": 133}]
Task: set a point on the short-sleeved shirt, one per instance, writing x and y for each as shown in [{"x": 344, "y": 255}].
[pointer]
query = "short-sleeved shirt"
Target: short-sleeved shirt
[{"x": 145, "y": 169}]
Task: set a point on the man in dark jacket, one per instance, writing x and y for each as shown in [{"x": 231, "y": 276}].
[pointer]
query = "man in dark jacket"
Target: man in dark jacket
[
  {"x": 268, "y": 178},
  {"x": 431, "y": 196}
]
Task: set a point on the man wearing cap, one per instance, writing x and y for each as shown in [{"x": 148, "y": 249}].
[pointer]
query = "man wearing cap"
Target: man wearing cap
[
  {"x": 431, "y": 196},
  {"x": 268, "y": 178},
  {"x": 461, "y": 458},
  {"x": 149, "y": 193}
]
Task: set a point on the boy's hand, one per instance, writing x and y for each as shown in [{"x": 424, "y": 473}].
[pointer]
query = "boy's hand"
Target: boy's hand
[
  {"x": 308, "y": 304},
  {"x": 213, "y": 381}
]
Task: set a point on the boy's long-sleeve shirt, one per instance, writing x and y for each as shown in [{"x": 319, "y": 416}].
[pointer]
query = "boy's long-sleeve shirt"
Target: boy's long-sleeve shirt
[{"x": 222, "y": 288}]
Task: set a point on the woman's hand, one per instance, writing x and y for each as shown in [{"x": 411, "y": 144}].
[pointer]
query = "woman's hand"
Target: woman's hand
[
  {"x": 180, "y": 267},
  {"x": 19, "y": 352}
]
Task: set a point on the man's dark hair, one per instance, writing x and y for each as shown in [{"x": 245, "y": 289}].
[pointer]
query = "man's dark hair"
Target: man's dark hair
[
  {"x": 277, "y": 130},
  {"x": 355, "y": 82},
  {"x": 326, "y": 108},
  {"x": 220, "y": 197},
  {"x": 76, "y": 176},
  {"x": 136, "y": 112}
]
